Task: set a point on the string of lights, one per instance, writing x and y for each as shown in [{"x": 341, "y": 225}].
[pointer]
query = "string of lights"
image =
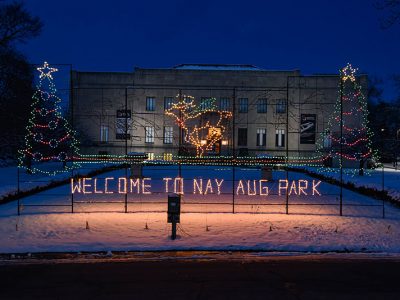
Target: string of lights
[
  {"x": 49, "y": 136},
  {"x": 185, "y": 110},
  {"x": 347, "y": 137}
]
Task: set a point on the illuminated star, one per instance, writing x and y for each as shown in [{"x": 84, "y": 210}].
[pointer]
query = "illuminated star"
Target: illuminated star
[
  {"x": 348, "y": 72},
  {"x": 46, "y": 71}
]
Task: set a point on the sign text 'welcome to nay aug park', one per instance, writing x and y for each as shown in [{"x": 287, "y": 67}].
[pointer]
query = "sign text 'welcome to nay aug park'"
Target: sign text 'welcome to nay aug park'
[{"x": 179, "y": 185}]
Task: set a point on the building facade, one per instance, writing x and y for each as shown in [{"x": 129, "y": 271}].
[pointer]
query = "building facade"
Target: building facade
[{"x": 274, "y": 113}]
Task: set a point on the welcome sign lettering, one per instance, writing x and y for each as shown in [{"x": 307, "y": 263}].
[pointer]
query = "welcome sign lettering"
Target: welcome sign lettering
[{"x": 201, "y": 186}]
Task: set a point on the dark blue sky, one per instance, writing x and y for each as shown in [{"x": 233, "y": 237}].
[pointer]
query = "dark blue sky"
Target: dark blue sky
[{"x": 315, "y": 36}]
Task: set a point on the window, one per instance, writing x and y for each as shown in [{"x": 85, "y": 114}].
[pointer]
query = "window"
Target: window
[
  {"x": 168, "y": 101},
  {"x": 167, "y": 156},
  {"x": 224, "y": 104},
  {"x": 104, "y": 133},
  {"x": 123, "y": 124},
  {"x": 327, "y": 139},
  {"x": 168, "y": 134},
  {"x": 281, "y": 106},
  {"x": 261, "y": 136},
  {"x": 188, "y": 100},
  {"x": 262, "y": 105},
  {"x": 186, "y": 135},
  {"x": 150, "y": 155},
  {"x": 280, "y": 138},
  {"x": 149, "y": 134},
  {"x": 242, "y": 136},
  {"x": 206, "y": 103},
  {"x": 150, "y": 103},
  {"x": 243, "y": 105}
]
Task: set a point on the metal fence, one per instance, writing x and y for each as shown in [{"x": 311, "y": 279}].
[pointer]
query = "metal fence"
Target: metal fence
[{"x": 271, "y": 135}]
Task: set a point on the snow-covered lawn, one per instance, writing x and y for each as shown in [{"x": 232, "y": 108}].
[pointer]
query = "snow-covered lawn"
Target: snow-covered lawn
[
  {"x": 308, "y": 228},
  {"x": 9, "y": 177},
  {"x": 275, "y": 232},
  {"x": 387, "y": 179}
]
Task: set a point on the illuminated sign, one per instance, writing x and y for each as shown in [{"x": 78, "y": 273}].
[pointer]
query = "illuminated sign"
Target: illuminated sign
[{"x": 200, "y": 186}]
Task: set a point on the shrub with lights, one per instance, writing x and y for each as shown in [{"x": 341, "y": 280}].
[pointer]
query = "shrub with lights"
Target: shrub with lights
[
  {"x": 49, "y": 136},
  {"x": 346, "y": 142}
]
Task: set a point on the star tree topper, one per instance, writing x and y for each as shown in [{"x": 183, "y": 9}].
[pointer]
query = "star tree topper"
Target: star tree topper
[
  {"x": 348, "y": 72},
  {"x": 46, "y": 71}
]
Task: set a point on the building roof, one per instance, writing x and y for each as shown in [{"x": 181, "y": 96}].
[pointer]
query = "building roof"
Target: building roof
[{"x": 217, "y": 67}]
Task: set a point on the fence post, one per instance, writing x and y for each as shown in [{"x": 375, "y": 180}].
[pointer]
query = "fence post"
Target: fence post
[
  {"x": 383, "y": 190},
  {"x": 73, "y": 128},
  {"x": 126, "y": 146},
  {"x": 341, "y": 147},
  {"x": 287, "y": 143},
  {"x": 233, "y": 164},
  {"x": 18, "y": 208}
]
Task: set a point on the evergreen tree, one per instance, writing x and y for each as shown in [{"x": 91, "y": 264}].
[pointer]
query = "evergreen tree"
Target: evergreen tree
[
  {"x": 49, "y": 137},
  {"x": 17, "y": 26},
  {"x": 346, "y": 142}
]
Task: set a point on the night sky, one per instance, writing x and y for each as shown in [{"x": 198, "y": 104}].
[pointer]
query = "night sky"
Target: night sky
[{"x": 315, "y": 36}]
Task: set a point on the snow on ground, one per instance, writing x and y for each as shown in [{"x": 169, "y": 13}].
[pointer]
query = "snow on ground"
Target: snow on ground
[
  {"x": 314, "y": 227},
  {"x": 387, "y": 179},
  {"x": 9, "y": 177}
]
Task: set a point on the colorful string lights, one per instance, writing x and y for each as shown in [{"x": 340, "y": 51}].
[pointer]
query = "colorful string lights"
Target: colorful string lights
[
  {"x": 49, "y": 136},
  {"x": 346, "y": 142}
]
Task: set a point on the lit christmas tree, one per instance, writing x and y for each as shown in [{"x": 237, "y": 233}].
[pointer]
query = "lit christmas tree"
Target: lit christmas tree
[
  {"x": 346, "y": 142},
  {"x": 49, "y": 137}
]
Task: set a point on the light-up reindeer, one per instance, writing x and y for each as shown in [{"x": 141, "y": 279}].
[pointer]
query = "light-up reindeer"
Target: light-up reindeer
[{"x": 184, "y": 110}]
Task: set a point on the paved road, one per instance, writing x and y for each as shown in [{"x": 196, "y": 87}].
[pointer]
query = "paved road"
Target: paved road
[{"x": 236, "y": 278}]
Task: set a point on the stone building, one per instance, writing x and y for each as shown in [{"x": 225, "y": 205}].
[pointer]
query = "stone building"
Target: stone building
[{"x": 274, "y": 112}]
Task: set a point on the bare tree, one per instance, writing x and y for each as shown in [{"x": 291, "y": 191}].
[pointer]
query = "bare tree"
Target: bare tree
[{"x": 17, "y": 24}]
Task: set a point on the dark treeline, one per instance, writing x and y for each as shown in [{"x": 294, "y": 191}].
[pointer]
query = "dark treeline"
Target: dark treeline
[
  {"x": 17, "y": 25},
  {"x": 384, "y": 119}
]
